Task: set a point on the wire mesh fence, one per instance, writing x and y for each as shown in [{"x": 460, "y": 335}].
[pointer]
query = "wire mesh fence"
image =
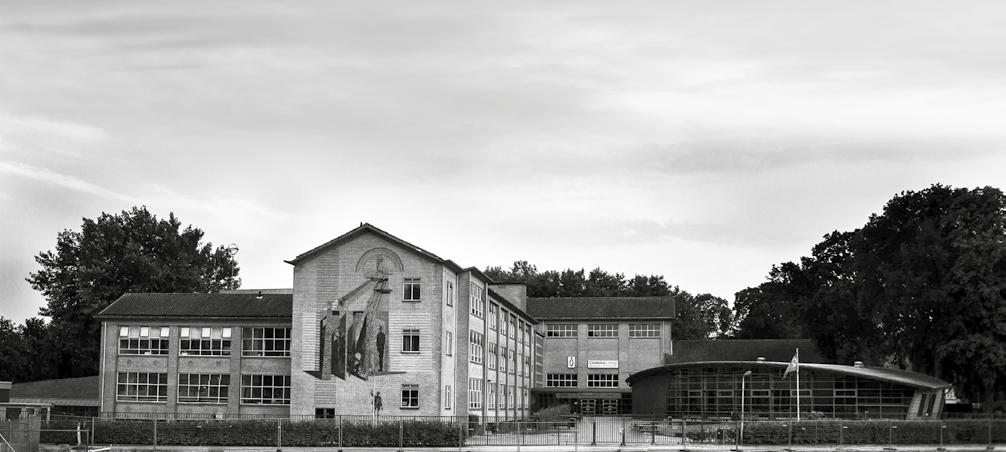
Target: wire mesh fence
[{"x": 435, "y": 431}]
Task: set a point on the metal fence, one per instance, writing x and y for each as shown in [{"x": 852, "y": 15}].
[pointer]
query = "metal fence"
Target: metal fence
[
  {"x": 420, "y": 431},
  {"x": 19, "y": 434}
]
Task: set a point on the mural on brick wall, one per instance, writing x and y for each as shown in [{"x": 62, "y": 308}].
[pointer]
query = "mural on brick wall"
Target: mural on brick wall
[{"x": 354, "y": 328}]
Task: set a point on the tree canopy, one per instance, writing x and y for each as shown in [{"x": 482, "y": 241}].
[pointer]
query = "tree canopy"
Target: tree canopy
[
  {"x": 133, "y": 251},
  {"x": 921, "y": 285},
  {"x": 697, "y": 316}
]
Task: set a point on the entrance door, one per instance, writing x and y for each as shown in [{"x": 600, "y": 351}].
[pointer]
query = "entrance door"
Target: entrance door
[
  {"x": 588, "y": 407},
  {"x": 609, "y": 407}
]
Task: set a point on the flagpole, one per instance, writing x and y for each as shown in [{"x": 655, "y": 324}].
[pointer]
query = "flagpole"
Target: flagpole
[{"x": 798, "y": 385}]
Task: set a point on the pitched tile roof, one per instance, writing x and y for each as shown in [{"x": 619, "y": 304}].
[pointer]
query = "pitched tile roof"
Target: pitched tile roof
[
  {"x": 586, "y": 308},
  {"x": 234, "y": 305},
  {"x": 745, "y": 350},
  {"x": 367, "y": 227},
  {"x": 85, "y": 390}
]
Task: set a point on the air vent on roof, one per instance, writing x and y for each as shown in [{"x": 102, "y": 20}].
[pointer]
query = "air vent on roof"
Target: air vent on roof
[
  {"x": 761, "y": 359},
  {"x": 259, "y": 296},
  {"x": 857, "y": 364}
]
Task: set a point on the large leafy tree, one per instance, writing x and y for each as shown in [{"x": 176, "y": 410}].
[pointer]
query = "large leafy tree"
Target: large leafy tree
[
  {"x": 133, "y": 251},
  {"x": 921, "y": 285}
]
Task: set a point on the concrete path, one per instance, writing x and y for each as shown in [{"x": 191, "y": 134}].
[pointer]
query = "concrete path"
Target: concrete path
[{"x": 570, "y": 448}]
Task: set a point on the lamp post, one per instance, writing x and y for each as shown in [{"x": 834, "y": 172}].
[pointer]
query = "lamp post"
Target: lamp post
[
  {"x": 232, "y": 250},
  {"x": 740, "y": 433}
]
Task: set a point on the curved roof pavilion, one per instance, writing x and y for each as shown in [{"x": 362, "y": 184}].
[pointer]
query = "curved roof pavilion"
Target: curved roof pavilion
[{"x": 713, "y": 389}]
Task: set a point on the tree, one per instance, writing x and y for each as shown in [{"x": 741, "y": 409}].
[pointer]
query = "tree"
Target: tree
[
  {"x": 700, "y": 317},
  {"x": 129, "y": 252},
  {"x": 921, "y": 285}
]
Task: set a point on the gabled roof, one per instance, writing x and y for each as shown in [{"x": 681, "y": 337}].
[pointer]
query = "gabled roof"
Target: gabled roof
[
  {"x": 898, "y": 376},
  {"x": 82, "y": 391},
  {"x": 369, "y": 228},
  {"x": 587, "y": 308},
  {"x": 745, "y": 350},
  {"x": 219, "y": 305}
]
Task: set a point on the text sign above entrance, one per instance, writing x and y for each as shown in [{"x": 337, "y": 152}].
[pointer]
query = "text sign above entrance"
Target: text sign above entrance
[{"x": 602, "y": 364}]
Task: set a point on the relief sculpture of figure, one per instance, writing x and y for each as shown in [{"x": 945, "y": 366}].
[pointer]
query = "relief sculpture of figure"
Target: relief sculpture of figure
[{"x": 355, "y": 342}]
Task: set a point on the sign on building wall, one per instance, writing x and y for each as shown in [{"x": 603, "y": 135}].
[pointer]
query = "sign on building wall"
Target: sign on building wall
[
  {"x": 602, "y": 364},
  {"x": 571, "y": 362}
]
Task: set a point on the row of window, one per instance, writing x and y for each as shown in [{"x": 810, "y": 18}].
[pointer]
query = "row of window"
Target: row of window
[
  {"x": 256, "y": 341},
  {"x": 570, "y": 381},
  {"x": 500, "y": 358},
  {"x": 497, "y": 395},
  {"x": 202, "y": 388},
  {"x": 602, "y": 330}
]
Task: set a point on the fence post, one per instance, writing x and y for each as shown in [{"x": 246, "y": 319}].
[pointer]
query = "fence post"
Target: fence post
[
  {"x": 461, "y": 430},
  {"x": 990, "y": 447},
  {"x": 91, "y": 437},
  {"x": 593, "y": 433},
  {"x": 653, "y": 432},
  {"x": 155, "y": 434},
  {"x": 279, "y": 435},
  {"x": 520, "y": 440},
  {"x": 340, "y": 433},
  {"x": 401, "y": 435},
  {"x": 684, "y": 435},
  {"x": 942, "y": 426},
  {"x": 557, "y": 442},
  {"x": 623, "y": 431}
]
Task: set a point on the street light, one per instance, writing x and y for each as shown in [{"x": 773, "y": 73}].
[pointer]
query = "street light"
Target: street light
[
  {"x": 740, "y": 434},
  {"x": 231, "y": 250}
]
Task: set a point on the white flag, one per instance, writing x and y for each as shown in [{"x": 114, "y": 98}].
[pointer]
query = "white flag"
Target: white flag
[{"x": 794, "y": 365}]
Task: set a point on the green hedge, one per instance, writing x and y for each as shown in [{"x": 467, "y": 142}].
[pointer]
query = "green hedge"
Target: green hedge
[
  {"x": 262, "y": 433},
  {"x": 855, "y": 432}
]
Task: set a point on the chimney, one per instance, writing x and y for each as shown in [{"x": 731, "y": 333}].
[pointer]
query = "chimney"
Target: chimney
[{"x": 858, "y": 364}]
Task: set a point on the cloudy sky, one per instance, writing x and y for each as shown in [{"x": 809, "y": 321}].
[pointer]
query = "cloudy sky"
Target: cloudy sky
[{"x": 704, "y": 141}]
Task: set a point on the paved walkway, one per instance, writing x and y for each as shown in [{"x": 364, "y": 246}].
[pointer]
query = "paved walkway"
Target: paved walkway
[{"x": 565, "y": 448}]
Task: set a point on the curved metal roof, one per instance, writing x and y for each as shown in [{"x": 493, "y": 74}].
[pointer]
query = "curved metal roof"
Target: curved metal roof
[{"x": 898, "y": 376}]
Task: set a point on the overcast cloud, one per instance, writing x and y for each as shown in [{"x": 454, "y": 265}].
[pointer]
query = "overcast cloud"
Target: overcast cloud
[{"x": 704, "y": 141}]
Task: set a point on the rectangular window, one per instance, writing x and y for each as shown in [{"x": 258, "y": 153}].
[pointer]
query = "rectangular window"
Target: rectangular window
[
  {"x": 449, "y": 343},
  {"x": 265, "y": 389},
  {"x": 520, "y": 365},
  {"x": 478, "y": 301},
  {"x": 602, "y": 380},
  {"x": 491, "y": 395},
  {"x": 448, "y": 397},
  {"x": 203, "y": 388},
  {"x": 410, "y": 340},
  {"x": 512, "y": 364},
  {"x": 512, "y": 330},
  {"x": 503, "y": 359},
  {"x": 493, "y": 314},
  {"x": 450, "y": 294},
  {"x": 210, "y": 343},
  {"x": 644, "y": 330},
  {"x": 491, "y": 356},
  {"x": 476, "y": 341},
  {"x": 138, "y": 340},
  {"x": 474, "y": 393},
  {"x": 411, "y": 289},
  {"x": 141, "y": 387},
  {"x": 560, "y": 380},
  {"x": 410, "y": 396},
  {"x": 509, "y": 397},
  {"x": 268, "y": 342},
  {"x": 324, "y": 413},
  {"x": 602, "y": 330},
  {"x": 560, "y": 330},
  {"x": 143, "y": 346}
]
